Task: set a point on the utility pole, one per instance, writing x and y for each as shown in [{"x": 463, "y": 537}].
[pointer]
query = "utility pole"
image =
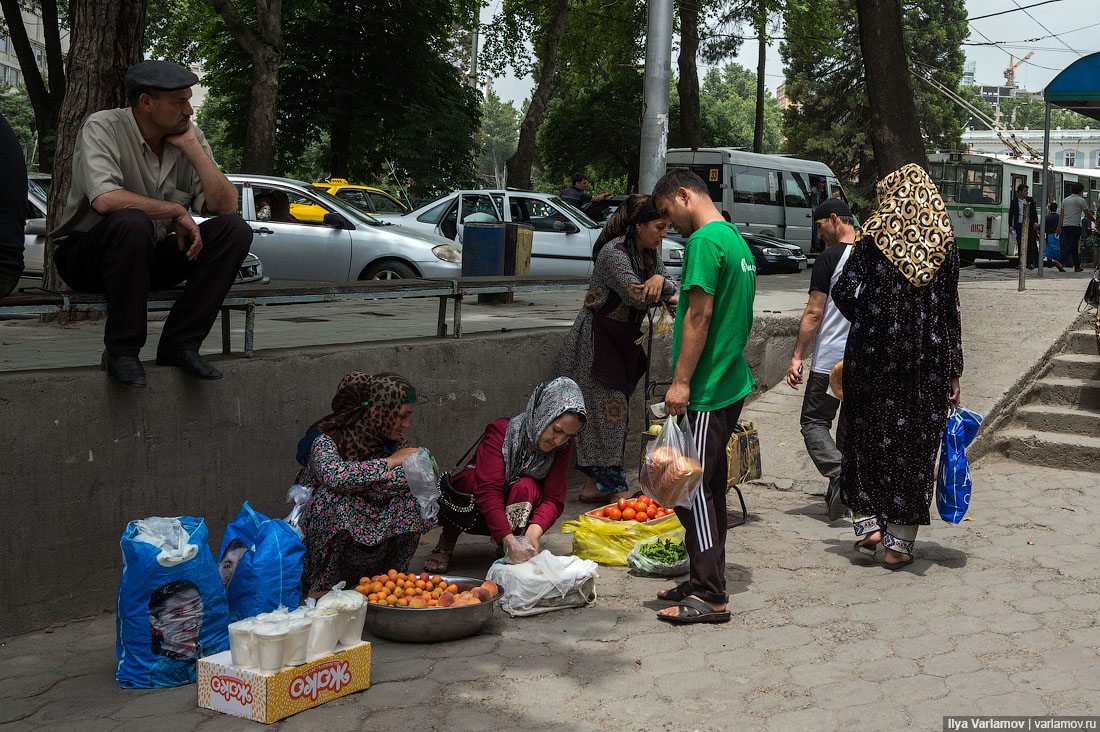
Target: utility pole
[
  {"x": 658, "y": 66},
  {"x": 473, "y": 58}
]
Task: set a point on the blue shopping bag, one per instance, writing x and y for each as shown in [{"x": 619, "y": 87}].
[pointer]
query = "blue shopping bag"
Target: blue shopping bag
[
  {"x": 260, "y": 563},
  {"x": 171, "y": 603},
  {"x": 953, "y": 476},
  {"x": 1054, "y": 247}
]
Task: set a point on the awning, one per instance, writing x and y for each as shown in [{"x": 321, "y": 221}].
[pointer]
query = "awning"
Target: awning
[{"x": 1077, "y": 87}]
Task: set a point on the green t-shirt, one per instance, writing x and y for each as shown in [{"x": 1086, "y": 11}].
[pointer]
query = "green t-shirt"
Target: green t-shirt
[{"x": 717, "y": 260}]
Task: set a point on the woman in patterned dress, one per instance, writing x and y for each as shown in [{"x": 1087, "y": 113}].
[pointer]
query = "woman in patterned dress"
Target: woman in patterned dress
[
  {"x": 362, "y": 519},
  {"x": 902, "y": 362},
  {"x": 627, "y": 280},
  {"x": 518, "y": 474}
]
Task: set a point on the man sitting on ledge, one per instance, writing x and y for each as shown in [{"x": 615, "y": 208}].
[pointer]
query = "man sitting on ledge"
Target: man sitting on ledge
[{"x": 126, "y": 226}]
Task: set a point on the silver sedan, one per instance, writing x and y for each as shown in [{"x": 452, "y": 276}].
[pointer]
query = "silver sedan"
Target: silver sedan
[{"x": 345, "y": 246}]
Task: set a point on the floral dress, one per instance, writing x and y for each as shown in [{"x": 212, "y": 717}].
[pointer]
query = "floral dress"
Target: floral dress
[
  {"x": 904, "y": 346},
  {"x": 602, "y": 442},
  {"x": 361, "y": 521}
]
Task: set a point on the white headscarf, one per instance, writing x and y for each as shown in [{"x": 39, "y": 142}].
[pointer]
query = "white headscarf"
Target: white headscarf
[{"x": 550, "y": 400}]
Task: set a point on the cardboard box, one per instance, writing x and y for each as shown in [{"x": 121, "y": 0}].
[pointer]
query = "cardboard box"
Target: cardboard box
[{"x": 268, "y": 698}]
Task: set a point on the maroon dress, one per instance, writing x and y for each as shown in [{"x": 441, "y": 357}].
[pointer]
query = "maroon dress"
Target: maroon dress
[{"x": 510, "y": 509}]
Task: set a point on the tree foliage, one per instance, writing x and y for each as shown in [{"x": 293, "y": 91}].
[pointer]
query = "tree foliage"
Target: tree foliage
[
  {"x": 824, "y": 80},
  {"x": 727, "y": 100},
  {"x": 499, "y": 132}
]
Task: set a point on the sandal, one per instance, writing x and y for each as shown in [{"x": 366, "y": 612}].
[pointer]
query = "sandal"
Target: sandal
[
  {"x": 898, "y": 565},
  {"x": 693, "y": 610},
  {"x": 439, "y": 566},
  {"x": 677, "y": 593},
  {"x": 867, "y": 551}
]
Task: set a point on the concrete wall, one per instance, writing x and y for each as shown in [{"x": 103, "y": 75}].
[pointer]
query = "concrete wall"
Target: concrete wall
[{"x": 86, "y": 456}]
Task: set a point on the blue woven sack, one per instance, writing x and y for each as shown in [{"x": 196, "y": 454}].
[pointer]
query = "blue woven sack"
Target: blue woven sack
[
  {"x": 1054, "y": 247},
  {"x": 171, "y": 603},
  {"x": 953, "y": 476},
  {"x": 260, "y": 562}
]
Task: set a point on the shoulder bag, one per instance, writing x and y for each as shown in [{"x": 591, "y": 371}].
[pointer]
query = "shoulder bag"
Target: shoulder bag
[{"x": 455, "y": 507}]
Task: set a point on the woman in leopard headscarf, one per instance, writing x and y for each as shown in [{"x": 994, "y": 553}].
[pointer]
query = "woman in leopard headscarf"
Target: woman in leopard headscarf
[
  {"x": 362, "y": 519},
  {"x": 902, "y": 362}
]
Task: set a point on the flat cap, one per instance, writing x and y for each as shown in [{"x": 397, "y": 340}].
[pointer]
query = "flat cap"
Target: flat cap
[
  {"x": 831, "y": 205},
  {"x": 159, "y": 75}
]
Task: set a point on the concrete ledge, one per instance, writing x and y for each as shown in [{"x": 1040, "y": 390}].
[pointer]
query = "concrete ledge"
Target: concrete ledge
[{"x": 85, "y": 456}]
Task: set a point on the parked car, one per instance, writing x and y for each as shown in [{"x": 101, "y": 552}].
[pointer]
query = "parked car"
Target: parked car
[
  {"x": 600, "y": 211},
  {"x": 770, "y": 255},
  {"x": 365, "y": 198},
  {"x": 34, "y": 237},
  {"x": 345, "y": 245},
  {"x": 563, "y": 236}
]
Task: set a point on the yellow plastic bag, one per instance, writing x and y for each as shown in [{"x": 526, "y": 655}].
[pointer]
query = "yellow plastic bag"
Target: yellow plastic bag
[{"x": 608, "y": 542}]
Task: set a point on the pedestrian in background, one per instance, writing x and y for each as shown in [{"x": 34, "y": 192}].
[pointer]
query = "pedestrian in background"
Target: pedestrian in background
[
  {"x": 1074, "y": 208},
  {"x": 902, "y": 362},
  {"x": 1050, "y": 225},
  {"x": 574, "y": 194},
  {"x": 823, "y": 324},
  {"x": 600, "y": 352},
  {"x": 710, "y": 379}
]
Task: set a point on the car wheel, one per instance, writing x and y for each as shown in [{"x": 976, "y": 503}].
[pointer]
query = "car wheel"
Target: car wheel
[{"x": 389, "y": 269}]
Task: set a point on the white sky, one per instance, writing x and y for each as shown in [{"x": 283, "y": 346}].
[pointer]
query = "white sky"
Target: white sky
[{"x": 1077, "y": 23}]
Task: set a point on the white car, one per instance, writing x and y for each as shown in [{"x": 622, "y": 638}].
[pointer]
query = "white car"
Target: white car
[{"x": 563, "y": 237}]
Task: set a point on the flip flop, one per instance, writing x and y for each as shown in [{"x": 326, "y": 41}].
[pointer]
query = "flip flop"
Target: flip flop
[
  {"x": 898, "y": 565},
  {"x": 693, "y": 610},
  {"x": 866, "y": 551},
  {"x": 677, "y": 593}
]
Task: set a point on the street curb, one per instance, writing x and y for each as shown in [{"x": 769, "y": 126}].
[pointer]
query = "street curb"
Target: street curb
[{"x": 1004, "y": 411}]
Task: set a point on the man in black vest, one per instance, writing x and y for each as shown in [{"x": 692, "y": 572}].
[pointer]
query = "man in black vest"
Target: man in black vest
[{"x": 1024, "y": 205}]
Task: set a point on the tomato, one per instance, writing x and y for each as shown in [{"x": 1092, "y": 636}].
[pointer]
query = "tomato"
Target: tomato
[
  {"x": 632, "y": 504},
  {"x": 642, "y": 517},
  {"x": 614, "y": 514},
  {"x": 605, "y": 511},
  {"x": 650, "y": 511},
  {"x": 622, "y": 503},
  {"x": 643, "y": 500},
  {"x": 629, "y": 513}
]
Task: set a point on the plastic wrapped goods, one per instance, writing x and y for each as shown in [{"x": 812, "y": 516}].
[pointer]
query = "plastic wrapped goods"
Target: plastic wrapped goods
[
  {"x": 260, "y": 563},
  {"x": 671, "y": 470},
  {"x": 171, "y": 604}
]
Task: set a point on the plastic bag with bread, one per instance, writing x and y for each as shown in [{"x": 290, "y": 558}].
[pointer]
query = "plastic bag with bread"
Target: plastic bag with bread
[{"x": 671, "y": 470}]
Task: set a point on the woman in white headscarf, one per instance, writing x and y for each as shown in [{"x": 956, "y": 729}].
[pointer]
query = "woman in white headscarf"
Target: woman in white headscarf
[{"x": 518, "y": 473}]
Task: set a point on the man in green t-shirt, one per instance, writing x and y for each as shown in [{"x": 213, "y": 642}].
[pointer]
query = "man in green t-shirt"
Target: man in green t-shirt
[{"x": 710, "y": 379}]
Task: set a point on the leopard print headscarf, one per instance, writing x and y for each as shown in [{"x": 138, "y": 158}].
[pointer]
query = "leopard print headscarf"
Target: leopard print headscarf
[
  {"x": 911, "y": 226},
  {"x": 364, "y": 410}
]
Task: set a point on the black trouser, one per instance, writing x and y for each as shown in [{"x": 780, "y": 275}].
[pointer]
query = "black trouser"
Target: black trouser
[
  {"x": 120, "y": 257},
  {"x": 1071, "y": 239},
  {"x": 705, "y": 522},
  {"x": 1032, "y": 244},
  {"x": 818, "y": 411},
  {"x": 8, "y": 283}
]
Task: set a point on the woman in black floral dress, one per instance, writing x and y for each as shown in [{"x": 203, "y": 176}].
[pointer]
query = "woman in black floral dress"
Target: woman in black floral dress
[{"x": 902, "y": 362}]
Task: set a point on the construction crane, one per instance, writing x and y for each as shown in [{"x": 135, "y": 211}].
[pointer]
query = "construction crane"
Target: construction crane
[
  {"x": 1019, "y": 148},
  {"x": 1013, "y": 64}
]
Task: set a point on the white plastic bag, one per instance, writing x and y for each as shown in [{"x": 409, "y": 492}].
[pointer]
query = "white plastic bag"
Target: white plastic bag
[
  {"x": 544, "y": 583},
  {"x": 300, "y": 496},
  {"x": 422, "y": 475},
  {"x": 671, "y": 471},
  {"x": 645, "y": 565}
]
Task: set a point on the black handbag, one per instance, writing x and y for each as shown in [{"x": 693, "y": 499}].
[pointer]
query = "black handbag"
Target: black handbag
[
  {"x": 1092, "y": 293},
  {"x": 455, "y": 507}
]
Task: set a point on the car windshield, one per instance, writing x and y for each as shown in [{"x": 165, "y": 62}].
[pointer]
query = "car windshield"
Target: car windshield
[
  {"x": 353, "y": 213},
  {"x": 576, "y": 212}
]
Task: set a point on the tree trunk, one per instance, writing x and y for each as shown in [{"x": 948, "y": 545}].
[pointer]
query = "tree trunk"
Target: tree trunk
[
  {"x": 264, "y": 46},
  {"x": 894, "y": 130},
  {"x": 687, "y": 85},
  {"x": 106, "y": 39},
  {"x": 518, "y": 167},
  {"x": 46, "y": 103},
  {"x": 761, "y": 65}
]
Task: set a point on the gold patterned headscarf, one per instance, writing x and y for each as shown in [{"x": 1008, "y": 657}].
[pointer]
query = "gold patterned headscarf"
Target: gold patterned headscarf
[{"x": 911, "y": 226}]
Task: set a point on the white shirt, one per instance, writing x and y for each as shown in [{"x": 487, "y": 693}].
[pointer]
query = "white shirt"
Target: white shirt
[
  {"x": 832, "y": 335},
  {"x": 1072, "y": 208}
]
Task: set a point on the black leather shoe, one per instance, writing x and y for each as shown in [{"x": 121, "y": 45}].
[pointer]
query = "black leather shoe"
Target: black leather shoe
[
  {"x": 189, "y": 362},
  {"x": 126, "y": 370}
]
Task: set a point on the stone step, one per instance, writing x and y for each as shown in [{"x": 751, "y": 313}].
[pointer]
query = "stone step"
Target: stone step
[
  {"x": 1051, "y": 449},
  {"x": 1054, "y": 418},
  {"x": 1083, "y": 393},
  {"x": 1076, "y": 366},
  {"x": 1082, "y": 341}
]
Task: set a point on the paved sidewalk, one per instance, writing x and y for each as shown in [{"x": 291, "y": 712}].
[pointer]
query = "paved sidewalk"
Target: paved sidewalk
[{"x": 997, "y": 616}]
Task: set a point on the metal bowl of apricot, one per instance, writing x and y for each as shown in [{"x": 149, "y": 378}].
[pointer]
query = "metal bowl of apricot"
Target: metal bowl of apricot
[{"x": 423, "y": 608}]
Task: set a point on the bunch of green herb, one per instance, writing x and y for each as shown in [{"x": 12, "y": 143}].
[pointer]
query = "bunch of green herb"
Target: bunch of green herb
[{"x": 664, "y": 551}]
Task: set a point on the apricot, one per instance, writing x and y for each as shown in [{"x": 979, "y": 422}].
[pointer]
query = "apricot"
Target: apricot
[
  {"x": 418, "y": 603},
  {"x": 432, "y": 603},
  {"x": 390, "y": 584},
  {"x": 436, "y": 579},
  {"x": 420, "y": 584},
  {"x": 403, "y": 602},
  {"x": 473, "y": 601},
  {"x": 424, "y": 576},
  {"x": 392, "y": 574},
  {"x": 453, "y": 589},
  {"x": 483, "y": 594},
  {"x": 459, "y": 603},
  {"x": 447, "y": 599},
  {"x": 365, "y": 580},
  {"x": 491, "y": 587}
]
